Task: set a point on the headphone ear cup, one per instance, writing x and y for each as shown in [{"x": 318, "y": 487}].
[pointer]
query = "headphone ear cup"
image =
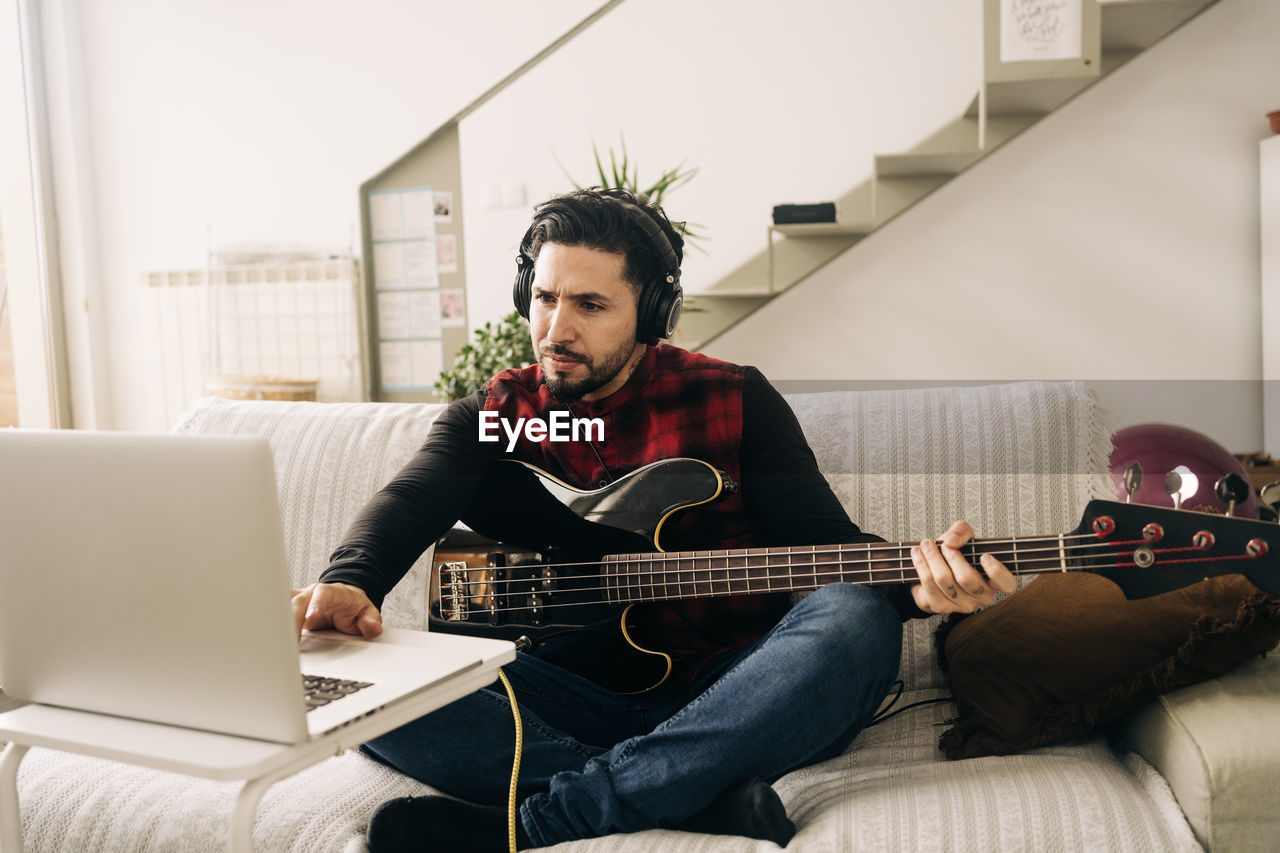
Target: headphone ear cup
[
  {"x": 658, "y": 311},
  {"x": 522, "y": 290},
  {"x": 669, "y": 311}
]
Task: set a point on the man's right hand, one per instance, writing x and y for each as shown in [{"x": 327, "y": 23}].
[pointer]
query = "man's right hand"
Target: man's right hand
[{"x": 336, "y": 605}]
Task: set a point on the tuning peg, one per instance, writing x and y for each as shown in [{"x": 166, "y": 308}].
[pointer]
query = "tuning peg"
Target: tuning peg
[
  {"x": 1233, "y": 490},
  {"x": 1269, "y": 495},
  {"x": 1173, "y": 488},
  {"x": 1132, "y": 481}
]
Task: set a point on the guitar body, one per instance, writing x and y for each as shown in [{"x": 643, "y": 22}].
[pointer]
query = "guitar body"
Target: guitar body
[{"x": 551, "y": 593}]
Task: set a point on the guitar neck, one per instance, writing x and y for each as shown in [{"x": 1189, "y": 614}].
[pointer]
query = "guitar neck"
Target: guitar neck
[{"x": 748, "y": 571}]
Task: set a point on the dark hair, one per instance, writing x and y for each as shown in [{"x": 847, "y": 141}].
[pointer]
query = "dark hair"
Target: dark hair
[{"x": 585, "y": 218}]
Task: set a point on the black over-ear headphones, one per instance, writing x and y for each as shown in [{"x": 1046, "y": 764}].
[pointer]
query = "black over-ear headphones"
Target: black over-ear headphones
[{"x": 661, "y": 301}]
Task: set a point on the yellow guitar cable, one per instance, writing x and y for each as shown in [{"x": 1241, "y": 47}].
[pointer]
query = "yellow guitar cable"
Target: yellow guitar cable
[{"x": 515, "y": 765}]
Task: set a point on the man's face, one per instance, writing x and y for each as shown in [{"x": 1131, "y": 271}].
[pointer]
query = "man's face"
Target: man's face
[{"x": 583, "y": 317}]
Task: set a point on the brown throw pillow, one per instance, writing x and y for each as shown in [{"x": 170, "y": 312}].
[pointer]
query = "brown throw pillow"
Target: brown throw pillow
[{"x": 1070, "y": 652}]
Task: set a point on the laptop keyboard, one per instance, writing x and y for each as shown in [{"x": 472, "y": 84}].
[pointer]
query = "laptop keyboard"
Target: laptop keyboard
[{"x": 320, "y": 691}]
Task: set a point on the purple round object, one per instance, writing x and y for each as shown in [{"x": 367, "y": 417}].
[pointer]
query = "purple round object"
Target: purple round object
[{"x": 1161, "y": 448}]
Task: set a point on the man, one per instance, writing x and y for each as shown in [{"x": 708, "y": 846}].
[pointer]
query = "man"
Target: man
[{"x": 599, "y": 282}]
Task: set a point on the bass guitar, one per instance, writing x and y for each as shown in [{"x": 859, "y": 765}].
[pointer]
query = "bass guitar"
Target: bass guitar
[{"x": 593, "y": 584}]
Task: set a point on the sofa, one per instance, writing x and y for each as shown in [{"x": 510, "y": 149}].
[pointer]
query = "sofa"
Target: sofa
[{"x": 1197, "y": 769}]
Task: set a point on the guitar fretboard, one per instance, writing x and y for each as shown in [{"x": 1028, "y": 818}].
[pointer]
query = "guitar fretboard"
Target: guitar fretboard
[{"x": 752, "y": 571}]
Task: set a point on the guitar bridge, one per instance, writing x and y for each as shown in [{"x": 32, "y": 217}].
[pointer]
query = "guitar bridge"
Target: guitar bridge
[
  {"x": 455, "y": 585},
  {"x": 466, "y": 592}
]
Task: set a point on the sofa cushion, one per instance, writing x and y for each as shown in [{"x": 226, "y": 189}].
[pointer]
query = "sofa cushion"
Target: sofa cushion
[
  {"x": 1216, "y": 744},
  {"x": 1070, "y": 652},
  {"x": 894, "y": 791},
  {"x": 330, "y": 459}
]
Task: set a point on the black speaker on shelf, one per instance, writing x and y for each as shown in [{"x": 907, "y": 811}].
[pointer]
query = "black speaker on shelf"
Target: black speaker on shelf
[{"x": 798, "y": 214}]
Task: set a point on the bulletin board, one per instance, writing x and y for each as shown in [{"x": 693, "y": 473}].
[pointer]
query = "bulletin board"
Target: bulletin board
[
  {"x": 407, "y": 304},
  {"x": 413, "y": 275}
]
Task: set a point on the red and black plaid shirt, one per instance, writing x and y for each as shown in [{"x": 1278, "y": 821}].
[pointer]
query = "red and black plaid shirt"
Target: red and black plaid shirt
[{"x": 675, "y": 404}]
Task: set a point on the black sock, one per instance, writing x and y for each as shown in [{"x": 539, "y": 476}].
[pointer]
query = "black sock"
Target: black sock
[
  {"x": 421, "y": 824},
  {"x": 751, "y": 809}
]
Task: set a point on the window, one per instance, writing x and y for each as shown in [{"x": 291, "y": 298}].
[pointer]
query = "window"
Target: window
[
  {"x": 8, "y": 383},
  {"x": 32, "y": 352}
]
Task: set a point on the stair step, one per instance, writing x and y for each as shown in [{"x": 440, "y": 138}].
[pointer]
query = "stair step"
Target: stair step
[
  {"x": 697, "y": 327},
  {"x": 923, "y": 163},
  {"x": 1041, "y": 96},
  {"x": 823, "y": 229},
  {"x": 895, "y": 194},
  {"x": 791, "y": 259}
]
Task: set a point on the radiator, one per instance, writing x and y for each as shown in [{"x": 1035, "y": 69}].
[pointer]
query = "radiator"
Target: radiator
[{"x": 269, "y": 326}]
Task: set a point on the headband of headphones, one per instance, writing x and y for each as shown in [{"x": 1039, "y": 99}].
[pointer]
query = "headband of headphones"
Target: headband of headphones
[{"x": 660, "y": 303}]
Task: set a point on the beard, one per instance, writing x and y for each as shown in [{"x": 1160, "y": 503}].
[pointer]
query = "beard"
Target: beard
[{"x": 600, "y": 372}]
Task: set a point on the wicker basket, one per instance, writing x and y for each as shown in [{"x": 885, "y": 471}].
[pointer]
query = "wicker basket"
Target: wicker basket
[{"x": 261, "y": 388}]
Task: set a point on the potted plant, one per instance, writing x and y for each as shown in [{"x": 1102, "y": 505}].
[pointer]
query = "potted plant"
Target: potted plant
[
  {"x": 624, "y": 173},
  {"x": 496, "y": 348}
]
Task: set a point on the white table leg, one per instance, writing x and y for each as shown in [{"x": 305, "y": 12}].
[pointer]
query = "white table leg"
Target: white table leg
[
  {"x": 247, "y": 807},
  {"x": 10, "y": 816}
]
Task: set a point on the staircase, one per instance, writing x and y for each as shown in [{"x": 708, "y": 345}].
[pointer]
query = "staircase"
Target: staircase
[{"x": 1013, "y": 97}]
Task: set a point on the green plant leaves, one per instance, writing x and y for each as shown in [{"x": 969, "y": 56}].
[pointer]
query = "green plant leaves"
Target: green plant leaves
[
  {"x": 496, "y": 348},
  {"x": 621, "y": 172}
]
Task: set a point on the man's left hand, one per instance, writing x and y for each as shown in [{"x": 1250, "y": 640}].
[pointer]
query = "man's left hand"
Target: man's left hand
[{"x": 948, "y": 584}]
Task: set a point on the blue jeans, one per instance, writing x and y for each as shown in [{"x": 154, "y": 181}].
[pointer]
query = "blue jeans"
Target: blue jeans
[{"x": 597, "y": 763}]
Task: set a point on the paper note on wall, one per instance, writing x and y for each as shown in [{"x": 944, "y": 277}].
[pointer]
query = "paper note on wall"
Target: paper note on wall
[
  {"x": 419, "y": 214},
  {"x": 396, "y": 366},
  {"x": 420, "y": 267},
  {"x": 394, "y": 320},
  {"x": 386, "y": 216},
  {"x": 424, "y": 314},
  {"x": 410, "y": 365},
  {"x": 1037, "y": 30},
  {"x": 388, "y": 266}
]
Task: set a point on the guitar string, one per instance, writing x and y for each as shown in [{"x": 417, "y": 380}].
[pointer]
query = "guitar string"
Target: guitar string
[
  {"x": 482, "y": 611},
  {"x": 852, "y": 570},
  {"x": 1106, "y": 563},
  {"x": 850, "y": 552},
  {"x": 802, "y": 577},
  {"x": 846, "y": 557}
]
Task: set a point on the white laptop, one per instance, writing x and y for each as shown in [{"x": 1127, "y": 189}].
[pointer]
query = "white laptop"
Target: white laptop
[{"x": 144, "y": 576}]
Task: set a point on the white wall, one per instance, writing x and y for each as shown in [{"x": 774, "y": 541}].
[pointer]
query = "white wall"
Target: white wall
[
  {"x": 1116, "y": 240},
  {"x": 772, "y": 102},
  {"x": 1084, "y": 250},
  {"x": 256, "y": 122}
]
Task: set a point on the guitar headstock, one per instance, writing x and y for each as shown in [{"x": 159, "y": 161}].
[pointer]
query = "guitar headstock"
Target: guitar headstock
[{"x": 1148, "y": 550}]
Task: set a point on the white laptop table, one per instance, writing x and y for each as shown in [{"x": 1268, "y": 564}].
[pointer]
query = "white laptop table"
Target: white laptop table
[
  {"x": 218, "y": 756},
  {"x": 145, "y": 616}
]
